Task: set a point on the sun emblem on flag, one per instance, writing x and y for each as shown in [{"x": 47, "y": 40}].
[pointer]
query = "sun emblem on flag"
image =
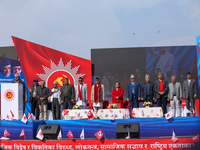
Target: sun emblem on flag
[
  {"x": 9, "y": 95},
  {"x": 59, "y": 73}
]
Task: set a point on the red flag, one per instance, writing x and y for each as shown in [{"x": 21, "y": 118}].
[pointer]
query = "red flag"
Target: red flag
[
  {"x": 90, "y": 114},
  {"x": 70, "y": 135},
  {"x": 47, "y": 64},
  {"x": 65, "y": 112},
  {"x": 194, "y": 112},
  {"x": 12, "y": 114},
  {"x": 132, "y": 113},
  {"x": 6, "y": 133},
  {"x": 40, "y": 135},
  {"x": 8, "y": 117},
  {"x": 99, "y": 134},
  {"x": 196, "y": 138},
  {"x": 22, "y": 134},
  {"x": 30, "y": 115}
]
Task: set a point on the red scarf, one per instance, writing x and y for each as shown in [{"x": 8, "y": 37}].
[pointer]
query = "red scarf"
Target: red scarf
[
  {"x": 97, "y": 90},
  {"x": 80, "y": 91}
]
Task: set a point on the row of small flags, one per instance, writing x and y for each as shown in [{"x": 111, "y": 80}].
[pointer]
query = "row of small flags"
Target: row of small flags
[
  {"x": 170, "y": 113},
  {"x": 99, "y": 134}
]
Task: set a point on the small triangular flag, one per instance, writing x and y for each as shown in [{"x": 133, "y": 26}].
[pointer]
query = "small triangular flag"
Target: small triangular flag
[
  {"x": 22, "y": 134},
  {"x": 70, "y": 135},
  {"x": 82, "y": 135},
  {"x": 24, "y": 119},
  {"x": 12, "y": 115},
  {"x": 40, "y": 135},
  {"x": 6, "y": 133},
  {"x": 59, "y": 135}
]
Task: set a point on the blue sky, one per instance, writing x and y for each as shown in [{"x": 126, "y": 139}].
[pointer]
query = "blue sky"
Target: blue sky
[{"x": 77, "y": 26}]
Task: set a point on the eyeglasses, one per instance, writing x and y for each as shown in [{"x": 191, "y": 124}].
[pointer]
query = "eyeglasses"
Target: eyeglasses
[
  {"x": 132, "y": 78},
  {"x": 80, "y": 80}
]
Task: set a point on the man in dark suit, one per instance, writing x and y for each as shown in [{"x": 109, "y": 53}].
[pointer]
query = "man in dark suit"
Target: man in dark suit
[
  {"x": 33, "y": 98},
  {"x": 42, "y": 96},
  {"x": 67, "y": 94},
  {"x": 189, "y": 91},
  {"x": 133, "y": 93},
  {"x": 147, "y": 90},
  {"x": 25, "y": 94},
  {"x": 161, "y": 90}
]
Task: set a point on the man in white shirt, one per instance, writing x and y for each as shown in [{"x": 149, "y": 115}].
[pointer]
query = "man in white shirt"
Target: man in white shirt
[
  {"x": 55, "y": 99},
  {"x": 81, "y": 94}
]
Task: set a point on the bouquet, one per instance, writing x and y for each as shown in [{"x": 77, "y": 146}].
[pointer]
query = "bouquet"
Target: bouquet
[
  {"x": 112, "y": 106},
  {"x": 147, "y": 104},
  {"x": 76, "y": 107}
]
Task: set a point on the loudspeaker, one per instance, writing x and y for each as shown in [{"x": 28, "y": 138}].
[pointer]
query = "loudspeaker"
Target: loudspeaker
[
  {"x": 50, "y": 131},
  {"x": 123, "y": 128}
]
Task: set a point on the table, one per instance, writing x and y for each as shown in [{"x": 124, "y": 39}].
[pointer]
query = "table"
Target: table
[
  {"x": 108, "y": 113},
  {"x": 148, "y": 112},
  {"x": 73, "y": 114}
]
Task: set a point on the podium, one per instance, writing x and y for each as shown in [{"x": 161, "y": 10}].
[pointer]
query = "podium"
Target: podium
[{"x": 11, "y": 100}]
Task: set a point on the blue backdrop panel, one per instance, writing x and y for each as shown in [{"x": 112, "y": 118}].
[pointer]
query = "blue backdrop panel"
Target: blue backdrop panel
[
  {"x": 149, "y": 127},
  {"x": 15, "y": 127}
]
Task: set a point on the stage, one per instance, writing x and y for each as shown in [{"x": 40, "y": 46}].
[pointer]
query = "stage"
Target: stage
[{"x": 149, "y": 127}]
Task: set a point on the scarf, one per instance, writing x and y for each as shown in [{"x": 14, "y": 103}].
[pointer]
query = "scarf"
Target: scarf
[
  {"x": 97, "y": 93},
  {"x": 80, "y": 91}
]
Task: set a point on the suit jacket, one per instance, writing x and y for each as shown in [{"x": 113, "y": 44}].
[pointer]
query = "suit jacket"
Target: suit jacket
[
  {"x": 44, "y": 93},
  {"x": 178, "y": 90},
  {"x": 157, "y": 88},
  {"x": 31, "y": 93},
  {"x": 102, "y": 93},
  {"x": 84, "y": 92},
  {"x": 129, "y": 91},
  {"x": 192, "y": 89},
  {"x": 144, "y": 90}
]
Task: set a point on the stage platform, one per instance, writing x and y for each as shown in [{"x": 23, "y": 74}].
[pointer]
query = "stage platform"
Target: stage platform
[{"x": 149, "y": 127}]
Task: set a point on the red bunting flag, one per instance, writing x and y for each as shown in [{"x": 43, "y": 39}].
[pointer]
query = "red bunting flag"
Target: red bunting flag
[
  {"x": 196, "y": 138},
  {"x": 24, "y": 119},
  {"x": 22, "y": 134},
  {"x": 99, "y": 134},
  {"x": 6, "y": 133},
  {"x": 70, "y": 135}
]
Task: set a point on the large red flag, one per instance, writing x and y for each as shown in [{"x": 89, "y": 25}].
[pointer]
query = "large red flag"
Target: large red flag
[{"x": 47, "y": 64}]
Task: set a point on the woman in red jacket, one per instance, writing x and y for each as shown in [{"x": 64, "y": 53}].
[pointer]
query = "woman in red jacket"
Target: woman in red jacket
[{"x": 117, "y": 95}]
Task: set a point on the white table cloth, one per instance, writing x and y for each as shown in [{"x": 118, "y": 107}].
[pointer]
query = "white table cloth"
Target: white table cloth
[
  {"x": 73, "y": 114},
  {"x": 108, "y": 113},
  {"x": 148, "y": 112}
]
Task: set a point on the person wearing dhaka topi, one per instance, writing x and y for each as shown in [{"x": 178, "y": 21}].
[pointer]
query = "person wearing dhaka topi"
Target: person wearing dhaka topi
[
  {"x": 161, "y": 91},
  {"x": 190, "y": 92},
  {"x": 133, "y": 93},
  {"x": 117, "y": 95},
  {"x": 81, "y": 94},
  {"x": 97, "y": 95}
]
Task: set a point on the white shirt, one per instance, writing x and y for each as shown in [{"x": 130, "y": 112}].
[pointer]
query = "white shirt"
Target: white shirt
[{"x": 55, "y": 95}]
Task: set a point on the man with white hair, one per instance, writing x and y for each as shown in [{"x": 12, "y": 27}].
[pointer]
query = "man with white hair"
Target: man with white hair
[
  {"x": 147, "y": 90},
  {"x": 133, "y": 93},
  {"x": 55, "y": 99},
  {"x": 175, "y": 95}
]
